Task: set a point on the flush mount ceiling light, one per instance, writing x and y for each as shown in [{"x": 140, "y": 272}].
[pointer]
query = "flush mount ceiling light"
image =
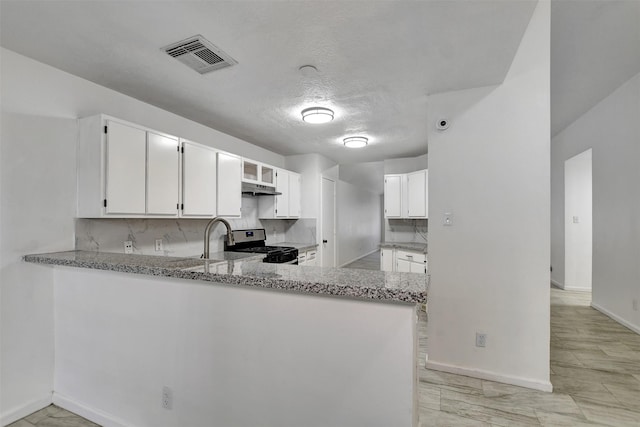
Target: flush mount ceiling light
[
  {"x": 355, "y": 142},
  {"x": 317, "y": 115}
]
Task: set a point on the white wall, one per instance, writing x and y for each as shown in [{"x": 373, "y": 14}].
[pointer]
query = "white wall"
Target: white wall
[
  {"x": 490, "y": 270},
  {"x": 406, "y": 164},
  {"x": 578, "y": 222},
  {"x": 39, "y": 131},
  {"x": 358, "y": 222},
  {"x": 38, "y": 204},
  {"x": 233, "y": 356},
  {"x": 31, "y": 87},
  {"x": 612, "y": 129}
]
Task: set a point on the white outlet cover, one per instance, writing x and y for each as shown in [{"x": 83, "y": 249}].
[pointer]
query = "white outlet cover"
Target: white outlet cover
[{"x": 447, "y": 219}]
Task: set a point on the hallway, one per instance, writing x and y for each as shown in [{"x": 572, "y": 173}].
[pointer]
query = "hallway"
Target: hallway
[{"x": 595, "y": 372}]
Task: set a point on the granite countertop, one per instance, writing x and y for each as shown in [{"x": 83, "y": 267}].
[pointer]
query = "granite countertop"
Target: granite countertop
[
  {"x": 298, "y": 246},
  {"x": 411, "y": 246},
  {"x": 237, "y": 270}
]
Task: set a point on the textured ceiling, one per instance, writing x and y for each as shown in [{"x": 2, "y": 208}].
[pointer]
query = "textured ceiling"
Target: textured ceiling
[
  {"x": 377, "y": 61},
  {"x": 595, "y": 48}
]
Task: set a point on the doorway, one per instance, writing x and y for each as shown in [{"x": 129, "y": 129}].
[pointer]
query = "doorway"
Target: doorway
[
  {"x": 578, "y": 226},
  {"x": 328, "y": 223}
]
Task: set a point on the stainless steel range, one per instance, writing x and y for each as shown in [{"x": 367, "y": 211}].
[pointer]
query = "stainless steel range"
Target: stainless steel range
[{"x": 253, "y": 241}]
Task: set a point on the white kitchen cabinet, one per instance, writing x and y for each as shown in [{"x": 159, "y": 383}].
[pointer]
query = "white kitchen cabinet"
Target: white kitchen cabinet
[
  {"x": 125, "y": 180},
  {"x": 406, "y": 195},
  {"x": 163, "y": 174},
  {"x": 386, "y": 259},
  {"x": 258, "y": 173},
  {"x": 126, "y": 170},
  {"x": 417, "y": 184},
  {"x": 285, "y": 205},
  {"x": 229, "y": 199},
  {"x": 410, "y": 262},
  {"x": 403, "y": 261},
  {"x": 199, "y": 180},
  {"x": 393, "y": 196},
  {"x": 308, "y": 257}
]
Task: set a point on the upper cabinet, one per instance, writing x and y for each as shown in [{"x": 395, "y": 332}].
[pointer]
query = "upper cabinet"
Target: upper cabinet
[
  {"x": 287, "y": 204},
  {"x": 125, "y": 170},
  {"x": 258, "y": 173},
  {"x": 229, "y": 184},
  {"x": 406, "y": 195},
  {"x": 199, "y": 181}
]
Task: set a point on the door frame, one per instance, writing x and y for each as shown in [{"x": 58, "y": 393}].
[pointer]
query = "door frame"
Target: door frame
[{"x": 321, "y": 234}]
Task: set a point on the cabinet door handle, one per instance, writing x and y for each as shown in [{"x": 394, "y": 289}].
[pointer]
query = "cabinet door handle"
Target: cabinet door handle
[{"x": 324, "y": 241}]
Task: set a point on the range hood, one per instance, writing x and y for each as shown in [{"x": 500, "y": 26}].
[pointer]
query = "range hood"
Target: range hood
[{"x": 258, "y": 190}]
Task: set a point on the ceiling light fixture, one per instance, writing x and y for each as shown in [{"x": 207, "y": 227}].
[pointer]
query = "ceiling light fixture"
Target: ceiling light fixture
[
  {"x": 317, "y": 115},
  {"x": 356, "y": 142}
]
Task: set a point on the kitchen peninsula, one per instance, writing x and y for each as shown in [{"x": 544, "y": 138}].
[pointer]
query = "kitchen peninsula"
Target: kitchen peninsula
[{"x": 295, "y": 345}]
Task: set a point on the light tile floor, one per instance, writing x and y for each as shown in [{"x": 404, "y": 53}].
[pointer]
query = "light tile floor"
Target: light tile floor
[
  {"x": 53, "y": 416},
  {"x": 595, "y": 364},
  {"x": 369, "y": 262},
  {"x": 595, "y": 372}
]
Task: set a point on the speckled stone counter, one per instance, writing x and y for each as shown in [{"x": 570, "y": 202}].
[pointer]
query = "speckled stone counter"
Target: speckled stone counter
[
  {"x": 299, "y": 246},
  {"x": 242, "y": 270},
  {"x": 410, "y": 246}
]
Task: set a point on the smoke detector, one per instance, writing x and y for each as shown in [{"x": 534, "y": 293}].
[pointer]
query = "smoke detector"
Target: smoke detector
[{"x": 199, "y": 54}]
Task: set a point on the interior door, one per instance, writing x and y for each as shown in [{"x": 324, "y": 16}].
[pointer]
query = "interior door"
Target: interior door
[{"x": 328, "y": 212}]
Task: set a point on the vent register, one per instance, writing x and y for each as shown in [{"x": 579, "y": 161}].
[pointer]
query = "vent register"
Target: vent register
[{"x": 199, "y": 54}]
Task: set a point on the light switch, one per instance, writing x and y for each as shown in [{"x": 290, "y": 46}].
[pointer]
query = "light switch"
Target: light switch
[
  {"x": 447, "y": 218},
  {"x": 576, "y": 220}
]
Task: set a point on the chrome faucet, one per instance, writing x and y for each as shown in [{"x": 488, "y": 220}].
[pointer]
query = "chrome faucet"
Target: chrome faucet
[{"x": 207, "y": 234}]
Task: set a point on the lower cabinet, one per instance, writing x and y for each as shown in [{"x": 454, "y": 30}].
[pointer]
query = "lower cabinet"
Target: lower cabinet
[
  {"x": 307, "y": 258},
  {"x": 403, "y": 261},
  {"x": 386, "y": 259}
]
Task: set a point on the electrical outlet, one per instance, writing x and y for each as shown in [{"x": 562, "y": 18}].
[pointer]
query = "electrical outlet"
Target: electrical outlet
[
  {"x": 634, "y": 304},
  {"x": 481, "y": 340},
  {"x": 158, "y": 245},
  {"x": 128, "y": 247},
  {"x": 447, "y": 219},
  {"x": 167, "y": 398}
]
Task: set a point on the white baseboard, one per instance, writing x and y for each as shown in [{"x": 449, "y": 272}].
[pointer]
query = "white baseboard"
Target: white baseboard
[
  {"x": 569, "y": 288},
  {"x": 26, "y": 409},
  {"x": 557, "y": 284},
  {"x": 88, "y": 412},
  {"x": 617, "y": 318},
  {"x": 576, "y": 289},
  {"x": 491, "y": 376}
]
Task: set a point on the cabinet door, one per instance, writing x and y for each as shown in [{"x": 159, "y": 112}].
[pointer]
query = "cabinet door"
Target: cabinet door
[
  {"x": 393, "y": 196},
  {"x": 198, "y": 180},
  {"x": 418, "y": 267},
  {"x": 417, "y": 194},
  {"x": 282, "y": 201},
  {"x": 229, "y": 184},
  {"x": 403, "y": 266},
  {"x": 386, "y": 259},
  {"x": 125, "y": 180},
  {"x": 311, "y": 258},
  {"x": 294, "y": 195},
  {"x": 163, "y": 174}
]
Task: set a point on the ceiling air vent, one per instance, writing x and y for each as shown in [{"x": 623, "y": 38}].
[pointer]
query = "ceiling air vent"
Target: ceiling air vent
[{"x": 200, "y": 54}]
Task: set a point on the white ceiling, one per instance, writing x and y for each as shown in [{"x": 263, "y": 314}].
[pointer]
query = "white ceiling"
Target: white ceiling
[
  {"x": 595, "y": 48},
  {"x": 377, "y": 61}
]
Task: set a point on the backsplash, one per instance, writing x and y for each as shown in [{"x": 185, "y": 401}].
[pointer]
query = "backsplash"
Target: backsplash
[
  {"x": 183, "y": 237},
  {"x": 405, "y": 230}
]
